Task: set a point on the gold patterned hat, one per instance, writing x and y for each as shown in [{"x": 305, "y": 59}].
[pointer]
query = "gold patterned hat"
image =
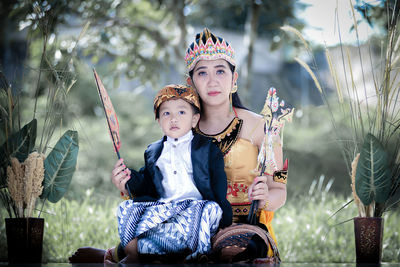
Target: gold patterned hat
[
  {"x": 176, "y": 91},
  {"x": 208, "y": 46}
]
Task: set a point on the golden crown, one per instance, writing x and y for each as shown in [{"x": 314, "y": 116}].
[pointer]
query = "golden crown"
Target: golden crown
[{"x": 208, "y": 46}]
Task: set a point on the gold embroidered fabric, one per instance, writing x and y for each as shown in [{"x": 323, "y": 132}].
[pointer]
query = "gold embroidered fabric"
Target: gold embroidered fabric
[
  {"x": 227, "y": 137},
  {"x": 240, "y": 163},
  {"x": 240, "y": 158}
]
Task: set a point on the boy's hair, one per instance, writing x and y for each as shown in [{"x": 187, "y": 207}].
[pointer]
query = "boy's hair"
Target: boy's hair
[{"x": 177, "y": 91}]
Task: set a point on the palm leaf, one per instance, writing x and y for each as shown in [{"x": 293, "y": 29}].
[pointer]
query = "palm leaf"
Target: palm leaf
[
  {"x": 373, "y": 181},
  {"x": 60, "y": 166}
]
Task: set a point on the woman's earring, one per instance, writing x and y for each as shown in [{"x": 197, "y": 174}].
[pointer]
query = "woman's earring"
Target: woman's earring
[
  {"x": 230, "y": 101},
  {"x": 234, "y": 88}
]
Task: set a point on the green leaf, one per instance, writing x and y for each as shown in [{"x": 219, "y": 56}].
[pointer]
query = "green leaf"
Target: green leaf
[
  {"x": 18, "y": 145},
  {"x": 373, "y": 181},
  {"x": 60, "y": 166},
  {"x": 21, "y": 143}
]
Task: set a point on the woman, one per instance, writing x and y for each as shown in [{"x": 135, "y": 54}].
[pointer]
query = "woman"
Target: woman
[
  {"x": 239, "y": 134},
  {"x": 237, "y": 131}
]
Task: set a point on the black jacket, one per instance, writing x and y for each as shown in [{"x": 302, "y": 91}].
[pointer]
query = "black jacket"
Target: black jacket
[{"x": 208, "y": 174}]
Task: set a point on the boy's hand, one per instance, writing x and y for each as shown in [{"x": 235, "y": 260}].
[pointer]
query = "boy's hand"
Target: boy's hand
[{"x": 120, "y": 175}]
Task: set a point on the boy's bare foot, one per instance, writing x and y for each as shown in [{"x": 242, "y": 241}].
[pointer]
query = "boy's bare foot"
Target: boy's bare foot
[{"x": 87, "y": 255}]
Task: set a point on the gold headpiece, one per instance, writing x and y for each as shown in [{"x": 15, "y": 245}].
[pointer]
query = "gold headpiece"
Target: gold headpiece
[
  {"x": 176, "y": 91},
  {"x": 208, "y": 46}
]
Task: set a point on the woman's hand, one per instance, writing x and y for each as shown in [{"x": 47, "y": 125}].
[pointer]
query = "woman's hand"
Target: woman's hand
[
  {"x": 120, "y": 175},
  {"x": 259, "y": 190}
]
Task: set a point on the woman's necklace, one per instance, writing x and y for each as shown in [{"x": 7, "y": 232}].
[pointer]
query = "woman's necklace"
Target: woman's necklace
[{"x": 226, "y": 138}]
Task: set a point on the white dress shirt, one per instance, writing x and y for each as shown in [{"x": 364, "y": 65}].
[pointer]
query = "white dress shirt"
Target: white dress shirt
[{"x": 175, "y": 163}]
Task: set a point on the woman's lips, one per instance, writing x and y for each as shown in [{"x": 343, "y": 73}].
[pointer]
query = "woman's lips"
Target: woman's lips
[{"x": 213, "y": 93}]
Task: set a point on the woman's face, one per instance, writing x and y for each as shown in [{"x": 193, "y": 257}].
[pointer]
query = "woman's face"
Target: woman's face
[{"x": 213, "y": 80}]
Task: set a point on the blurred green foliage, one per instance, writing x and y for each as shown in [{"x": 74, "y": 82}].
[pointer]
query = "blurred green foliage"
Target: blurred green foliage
[
  {"x": 376, "y": 12},
  {"x": 310, "y": 146},
  {"x": 233, "y": 14}
]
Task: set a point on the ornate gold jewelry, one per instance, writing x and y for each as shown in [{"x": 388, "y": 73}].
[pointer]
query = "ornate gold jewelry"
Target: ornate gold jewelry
[
  {"x": 265, "y": 205},
  {"x": 225, "y": 139},
  {"x": 234, "y": 88},
  {"x": 280, "y": 176},
  {"x": 208, "y": 46},
  {"x": 230, "y": 102}
]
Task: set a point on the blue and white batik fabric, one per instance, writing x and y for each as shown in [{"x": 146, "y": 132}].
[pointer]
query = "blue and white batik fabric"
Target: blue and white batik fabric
[{"x": 174, "y": 227}]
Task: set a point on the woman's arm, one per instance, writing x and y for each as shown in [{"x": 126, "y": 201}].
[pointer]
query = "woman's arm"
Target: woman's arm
[
  {"x": 264, "y": 188},
  {"x": 277, "y": 190}
]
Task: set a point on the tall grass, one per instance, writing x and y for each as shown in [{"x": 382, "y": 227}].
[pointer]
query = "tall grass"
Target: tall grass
[
  {"x": 368, "y": 94},
  {"x": 303, "y": 228}
]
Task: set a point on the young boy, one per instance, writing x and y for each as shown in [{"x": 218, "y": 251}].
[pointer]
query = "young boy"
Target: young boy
[{"x": 179, "y": 196}]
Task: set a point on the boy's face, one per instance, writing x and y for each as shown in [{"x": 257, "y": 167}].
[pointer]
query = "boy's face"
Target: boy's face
[{"x": 176, "y": 118}]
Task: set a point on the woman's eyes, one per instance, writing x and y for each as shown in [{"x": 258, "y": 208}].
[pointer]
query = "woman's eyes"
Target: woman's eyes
[{"x": 217, "y": 72}]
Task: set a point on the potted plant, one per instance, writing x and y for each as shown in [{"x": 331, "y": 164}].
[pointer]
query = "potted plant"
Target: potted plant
[
  {"x": 27, "y": 171},
  {"x": 27, "y": 174},
  {"x": 375, "y": 180},
  {"x": 369, "y": 139}
]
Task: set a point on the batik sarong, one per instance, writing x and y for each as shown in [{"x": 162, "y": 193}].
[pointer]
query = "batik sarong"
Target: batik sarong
[{"x": 164, "y": 228}]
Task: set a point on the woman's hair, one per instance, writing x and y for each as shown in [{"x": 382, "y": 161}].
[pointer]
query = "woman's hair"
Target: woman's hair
[{"x": 236, "y": 102}]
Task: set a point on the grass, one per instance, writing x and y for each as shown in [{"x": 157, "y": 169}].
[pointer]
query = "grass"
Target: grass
[{"x": 304, "y": 231}]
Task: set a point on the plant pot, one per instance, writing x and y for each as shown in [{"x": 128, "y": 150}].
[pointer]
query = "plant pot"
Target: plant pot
[
  {"x": 368, "y": 233},
  {"x": 24, "y": 239}
]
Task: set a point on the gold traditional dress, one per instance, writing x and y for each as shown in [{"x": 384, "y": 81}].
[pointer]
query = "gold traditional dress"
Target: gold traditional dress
[{"x": 240, "y": 158}]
